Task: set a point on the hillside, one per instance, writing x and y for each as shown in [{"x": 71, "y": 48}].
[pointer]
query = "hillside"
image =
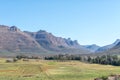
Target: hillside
[
  {"x": 108, "y": 47},
  {"x": 57, "y": 44},
  {"x": 14, "y": 40},
  {"x": 111, "y": 48},
  {"x": 92, "y": 48},
  {"x": 115, "y": 50}
]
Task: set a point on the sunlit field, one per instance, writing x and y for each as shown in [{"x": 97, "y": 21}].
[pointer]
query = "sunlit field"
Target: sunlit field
[{"x": 53, "y": 70}]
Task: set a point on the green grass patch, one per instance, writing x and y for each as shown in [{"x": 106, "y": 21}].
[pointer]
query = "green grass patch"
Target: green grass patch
[{"x": 53, "y": 70}]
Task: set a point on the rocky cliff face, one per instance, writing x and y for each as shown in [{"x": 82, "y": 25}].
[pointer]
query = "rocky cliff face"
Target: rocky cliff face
[
  {"x": 49, "y": 39},
  {"x": 53, "y": 43},
  {"x": 12, "y": 39}
]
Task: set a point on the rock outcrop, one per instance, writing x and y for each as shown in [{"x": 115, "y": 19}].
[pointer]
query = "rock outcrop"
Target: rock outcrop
[
  {"x": 58, "y": 44},
  {"x": 13, "y": 39}
]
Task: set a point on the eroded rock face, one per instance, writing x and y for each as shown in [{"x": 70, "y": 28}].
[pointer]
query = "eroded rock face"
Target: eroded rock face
[
  {"x": 4, "y": 28},
  {"x": 12, "y": 39},
  {"x": 45, "y": 38},
  {"x": 53, "y": 43},
  {"x": 14, "y": 28}
]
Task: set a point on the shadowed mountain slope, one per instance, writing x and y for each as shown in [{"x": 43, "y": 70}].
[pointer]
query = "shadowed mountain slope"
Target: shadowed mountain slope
[
  {"x": 14, "y": 40},
  {"x": 57, "y": 44},
  {"x": 92, "y": 48},
  {"x": 108, "y": 47}
]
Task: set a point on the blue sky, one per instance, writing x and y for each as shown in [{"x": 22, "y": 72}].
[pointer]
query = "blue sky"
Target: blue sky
[{"x": 88, "y": 21}]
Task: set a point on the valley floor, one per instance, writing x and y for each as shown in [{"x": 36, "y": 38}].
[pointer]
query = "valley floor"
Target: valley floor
[{"x": 53, "y": 70}]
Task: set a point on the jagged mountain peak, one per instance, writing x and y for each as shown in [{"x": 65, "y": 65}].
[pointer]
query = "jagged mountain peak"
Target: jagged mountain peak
[
  {"x": 14, "y": 40},
  {"x": 42, "y": 31},
  {"x": 4, "y": 28},
  {"x": 117, "y": 41},
  {"x": 108, "y": 47},
  {"x": 50, "y": 42},
  {"x": 42, "y": 34}
]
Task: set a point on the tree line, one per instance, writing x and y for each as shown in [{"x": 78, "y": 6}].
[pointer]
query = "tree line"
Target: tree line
[{"x": 104, "y": 59}]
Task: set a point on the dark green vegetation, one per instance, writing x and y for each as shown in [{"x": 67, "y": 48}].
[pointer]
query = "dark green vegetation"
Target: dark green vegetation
[{"x": 104, "y": 59}]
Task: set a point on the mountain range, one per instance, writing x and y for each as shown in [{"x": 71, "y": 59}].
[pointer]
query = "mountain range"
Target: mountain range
[
  {"x": 15, "y": 41},
  {"x": 97, "y": 49}
]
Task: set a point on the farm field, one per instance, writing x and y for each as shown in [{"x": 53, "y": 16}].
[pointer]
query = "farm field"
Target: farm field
[{"x": 53, "y": 70}]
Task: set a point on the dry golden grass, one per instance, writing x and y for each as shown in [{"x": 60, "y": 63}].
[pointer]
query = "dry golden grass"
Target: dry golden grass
[{"x": 53, "y": 70}]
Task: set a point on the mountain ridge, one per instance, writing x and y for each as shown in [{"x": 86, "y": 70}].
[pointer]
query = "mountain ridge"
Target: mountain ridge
[
  {"x": 92, "y": 47},
  {"x": 108, "y": 47},
  {"x": 53, "y": 43},
  {"x": 12, "y": 39}
]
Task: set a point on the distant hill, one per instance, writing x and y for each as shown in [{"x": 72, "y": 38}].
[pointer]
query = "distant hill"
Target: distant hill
[
  {"x": 107, "y": 47},
  {"x": 92, "y": 47},
  {"x": 14, "y": 40},
  {"x": 114, "y": 50},
  {"x": 57, "y": 44}
]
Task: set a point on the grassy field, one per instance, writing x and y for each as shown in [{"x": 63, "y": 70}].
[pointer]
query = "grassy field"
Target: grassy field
[{"x": 53, "y": 70}]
